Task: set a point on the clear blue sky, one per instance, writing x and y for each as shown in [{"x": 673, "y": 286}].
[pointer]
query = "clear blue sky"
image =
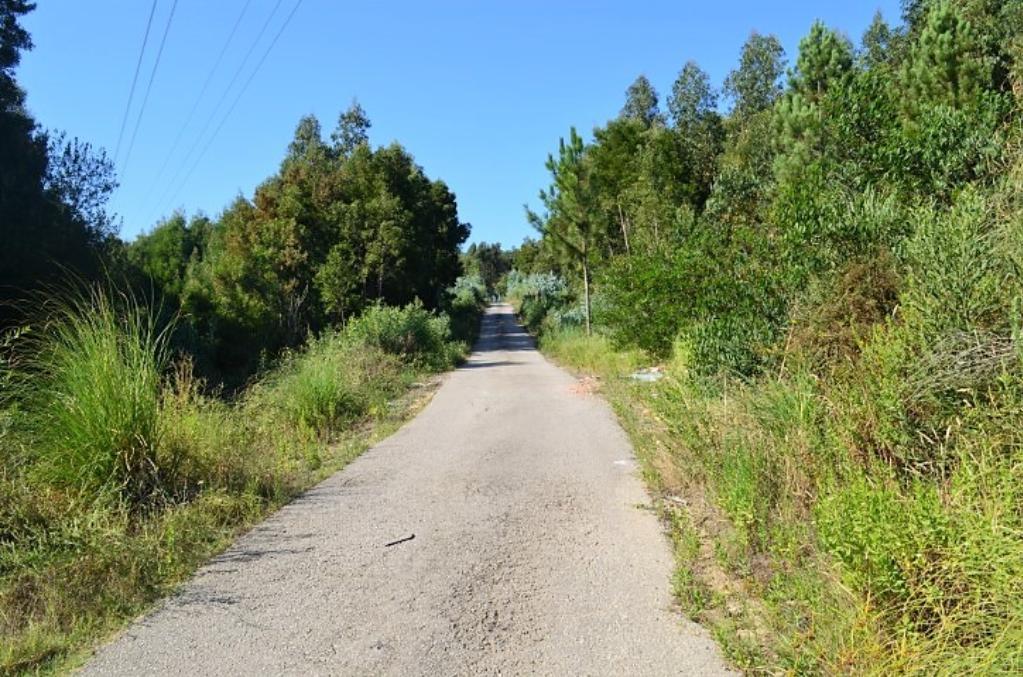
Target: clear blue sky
[{"x": 479, "y": 91}]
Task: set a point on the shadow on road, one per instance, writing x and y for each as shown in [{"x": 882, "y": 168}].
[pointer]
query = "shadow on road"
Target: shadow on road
[
  {"x": 500, "y": 332},
  {"x": 487, "y": 363}
]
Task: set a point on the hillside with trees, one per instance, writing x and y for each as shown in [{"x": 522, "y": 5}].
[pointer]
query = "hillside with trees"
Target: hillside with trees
[{"x": 824, "y": 255}]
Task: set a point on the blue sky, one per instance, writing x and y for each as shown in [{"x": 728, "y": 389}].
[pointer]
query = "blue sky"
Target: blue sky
[{"x": 478, "y": 91}]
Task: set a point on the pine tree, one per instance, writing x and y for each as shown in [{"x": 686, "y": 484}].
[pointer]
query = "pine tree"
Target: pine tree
[
  {"x": 825, "y": 57},
  {"x": 572, "y": 220},
  {"x": 877, "y": 42},
  {"x": 946, "y": 65}
]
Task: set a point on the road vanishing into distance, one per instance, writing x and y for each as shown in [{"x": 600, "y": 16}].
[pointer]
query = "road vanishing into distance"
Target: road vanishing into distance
[{"x": 534, "y": 551}]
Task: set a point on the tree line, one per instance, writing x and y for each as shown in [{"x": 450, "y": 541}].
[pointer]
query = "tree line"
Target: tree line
[
  {"x": 339, "y": 227},
  {"x": 710, "y": 227}
]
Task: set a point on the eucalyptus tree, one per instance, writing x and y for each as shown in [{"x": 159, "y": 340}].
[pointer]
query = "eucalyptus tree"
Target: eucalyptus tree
[
  {"x": 756, "y": 84},
  {"x": 641, "y": 102}
]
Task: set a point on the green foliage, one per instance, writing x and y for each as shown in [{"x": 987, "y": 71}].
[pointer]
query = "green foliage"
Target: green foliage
[
  {"x": 641, "y": 103},
  {"x": 825, "y": 58},
  {"x": 958, "y": 275},
  {"x": 164, "y": 254},
  {"x": 591, "y": 353},
  {"x": 352, "y": 130},
  {"x": 338, "y": 229},
  {"x": 693, "y": 99},
  {"x": 53, "y": 201},
  {"x": 488, "y": 262},
  {"x": 464, "y": 306},
  {"x": 319, "y": 389},
  {"x": 878, "y": 42},
  {"x": 643, "y": 306},
  {"x": 755, "y": 84},
  {"x": 13, "y": 39},
  {"x": 536, "y": 295},
  {"x": 946, "y": 65},
  {"x": 411, "y": 333},
  {"x": 573, "y": 217}
]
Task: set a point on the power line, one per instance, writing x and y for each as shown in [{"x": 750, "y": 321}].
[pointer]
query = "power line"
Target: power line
[
  {"x": 134, "y": 80},
  {"x": 238, "y": 98},
  {"x": 220, "y": 102},
  {"x": 149, "y": 87},
  {"x": 199, "y": 99}
]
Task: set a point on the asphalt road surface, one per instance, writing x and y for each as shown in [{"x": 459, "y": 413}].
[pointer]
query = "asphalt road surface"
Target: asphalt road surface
[{"x": 534, "y": 552}]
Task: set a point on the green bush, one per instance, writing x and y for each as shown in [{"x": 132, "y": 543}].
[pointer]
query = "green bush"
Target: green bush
[
  {"x": 959, "y": 275},
  {"x": 535, "y": 295},
  {"x": 313, "y": 390},
  {"x": 464, "y": 305},
  {"x": 331, "y": 382},
  {"x": 411, "y": 333}
]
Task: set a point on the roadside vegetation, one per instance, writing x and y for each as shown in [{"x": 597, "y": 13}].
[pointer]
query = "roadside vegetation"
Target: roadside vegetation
[
  {"x": 160, "y": 396},
  {"x": 828, "y": 277},
  {"x": 122, "y": 471}
]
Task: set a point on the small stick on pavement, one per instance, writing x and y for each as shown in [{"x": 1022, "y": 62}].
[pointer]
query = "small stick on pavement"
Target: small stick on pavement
[{"x": 400, "y": 540}]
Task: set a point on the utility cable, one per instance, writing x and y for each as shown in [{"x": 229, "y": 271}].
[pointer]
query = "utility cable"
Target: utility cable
[
  {"x": 199, "y": 99},
  {"x": 149, "y": 87},
  {"x": 134, "y": 80},
  {"x": 239, "y": 97},
  {"x": 220, "y": 102}
]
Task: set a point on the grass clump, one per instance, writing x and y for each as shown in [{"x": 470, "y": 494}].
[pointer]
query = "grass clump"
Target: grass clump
[
  {"x": 589, "y": 353},
  {"x": 88, "y": 394}
]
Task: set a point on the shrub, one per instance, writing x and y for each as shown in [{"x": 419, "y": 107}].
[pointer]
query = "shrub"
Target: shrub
[
  {"x": 331, "y": 382},
  {"x": 312, "y": 388},
  {"x": 535, "y": 295},
  {"x": 960, "y": 277},
  {"x": 204, "y": 444},
  {"x": 464, "y": 304},
  {"x": 837, "y": 314},
  {"x": 411, "y": 333},
  {"x": 645, "y": 298}
]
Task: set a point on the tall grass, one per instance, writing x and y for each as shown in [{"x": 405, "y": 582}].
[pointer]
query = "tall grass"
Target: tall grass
[
  {"x": 89, "y": 389},
  {"x": 593, "y": 354},
  {"x": 121, "y": 472}
]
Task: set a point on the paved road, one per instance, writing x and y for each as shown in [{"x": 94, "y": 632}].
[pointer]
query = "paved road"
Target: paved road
[{"x": 533, "y": 553}]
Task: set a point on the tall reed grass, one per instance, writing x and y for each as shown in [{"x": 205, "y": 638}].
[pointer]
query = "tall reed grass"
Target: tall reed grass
[{"x": 88, "y": 390}]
